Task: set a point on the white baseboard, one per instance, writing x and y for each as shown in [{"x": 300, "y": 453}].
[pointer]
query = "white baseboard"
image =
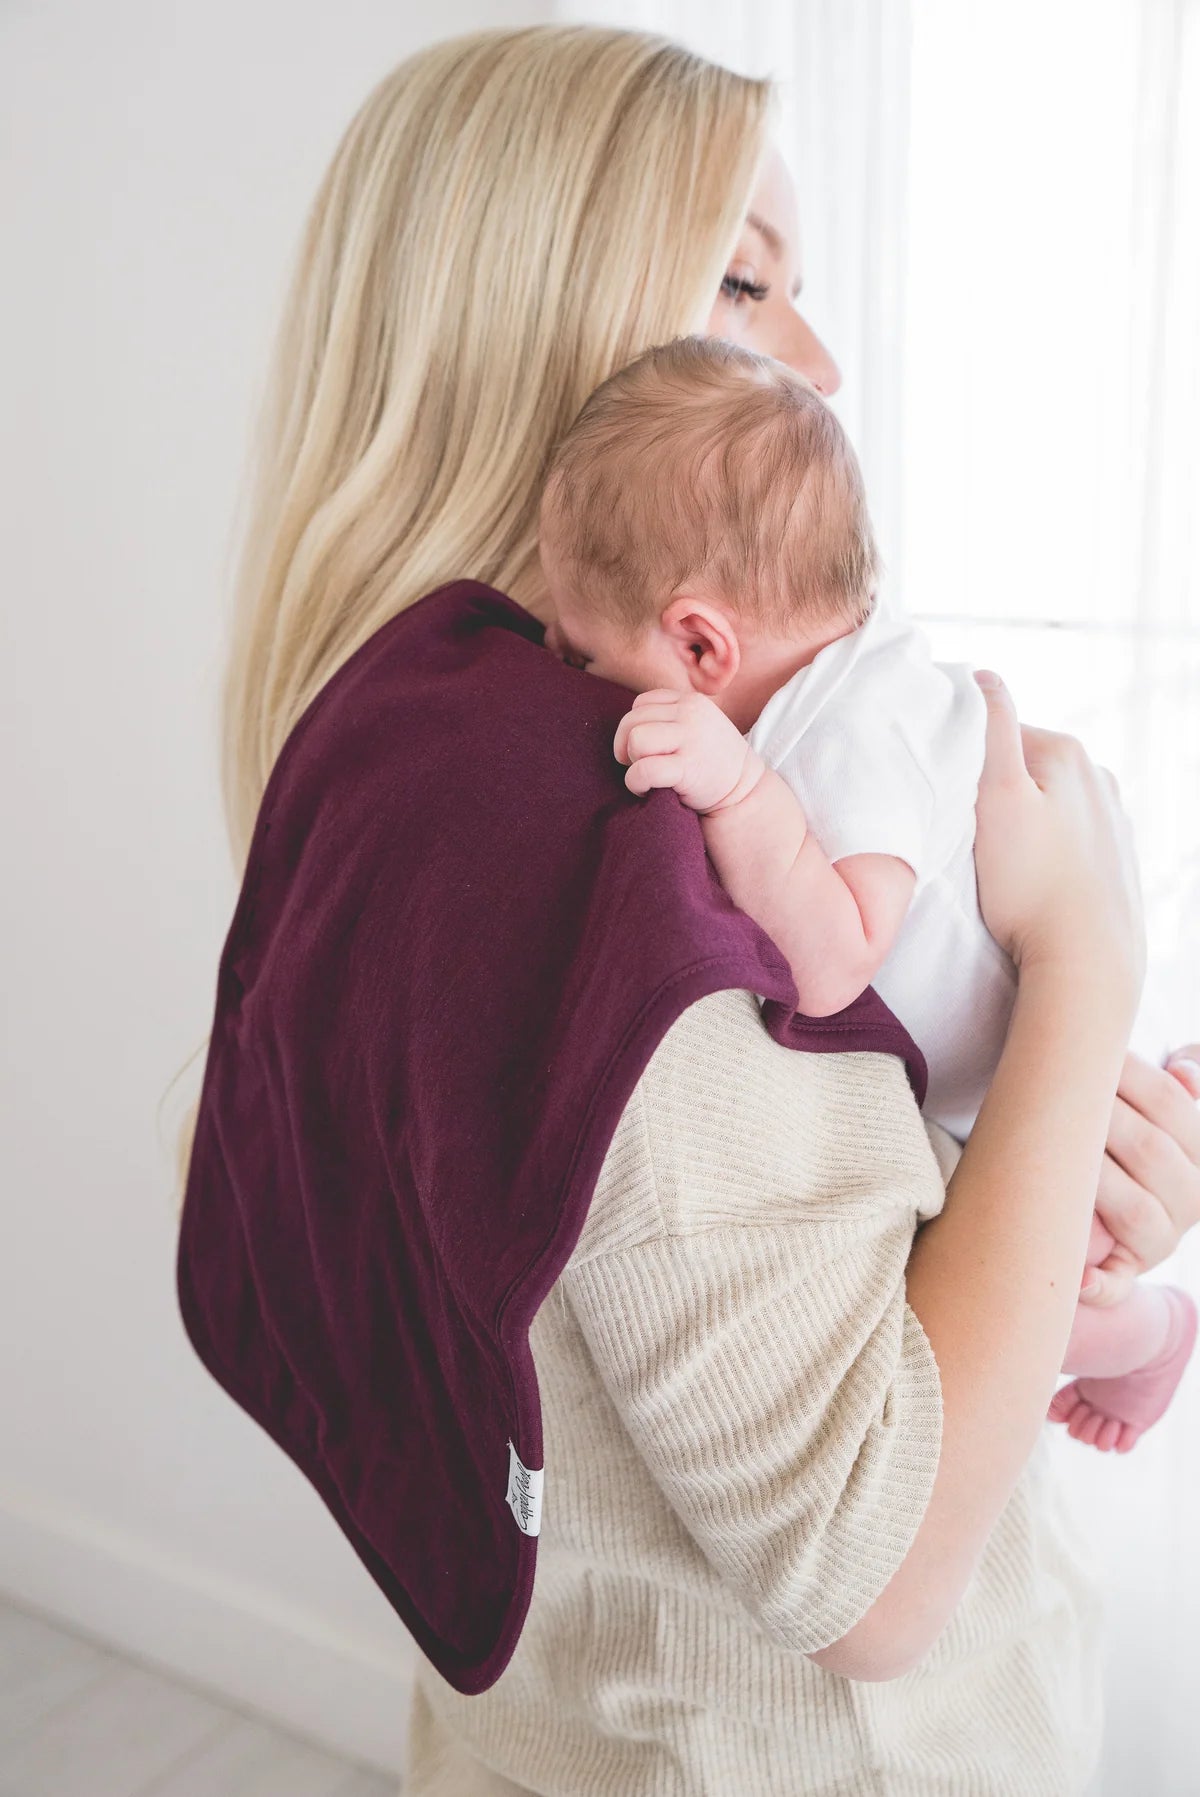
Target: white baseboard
[{"x": 242, "y": 1647}]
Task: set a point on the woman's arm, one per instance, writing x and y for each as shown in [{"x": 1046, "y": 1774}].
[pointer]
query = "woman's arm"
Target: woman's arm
[{"x": 994, "y": 1279}]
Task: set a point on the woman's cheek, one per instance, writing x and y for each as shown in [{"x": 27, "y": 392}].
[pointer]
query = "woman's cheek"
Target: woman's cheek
[{"x": 724, "y": 321}]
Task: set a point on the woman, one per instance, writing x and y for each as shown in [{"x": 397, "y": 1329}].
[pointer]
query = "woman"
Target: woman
[{"x": 801, "y": 1537}]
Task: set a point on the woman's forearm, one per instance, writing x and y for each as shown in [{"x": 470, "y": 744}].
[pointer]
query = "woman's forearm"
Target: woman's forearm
[{"x": 994, "y": 1281}]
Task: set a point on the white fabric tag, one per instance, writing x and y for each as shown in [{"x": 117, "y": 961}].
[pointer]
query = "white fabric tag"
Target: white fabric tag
[{"x": 524, "y": 1497}]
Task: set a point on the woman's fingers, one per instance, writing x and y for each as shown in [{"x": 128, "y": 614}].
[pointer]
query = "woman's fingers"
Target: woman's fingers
[
  {"x": 1101, "y": 1242},
  {"x": 1161, "y": 1098},
  {"x": 1149, "y": 1190},
  {"x": 1107, "y": 1284},
  {"x": 1004, "y": 759},
  {"x": 1014, "y": 752},
  {"x": 1184, "y": 1066},
  {"x": 1131, "y": 1212},
  {"x": 1110, "y": 1269}
]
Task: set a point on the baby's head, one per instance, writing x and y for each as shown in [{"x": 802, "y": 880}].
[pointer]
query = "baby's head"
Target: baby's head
[{"x": 703, "y": 523}]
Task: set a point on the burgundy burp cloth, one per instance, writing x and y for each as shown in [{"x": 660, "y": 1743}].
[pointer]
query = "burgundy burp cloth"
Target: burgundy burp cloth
[{"x": 458, "y": 941}]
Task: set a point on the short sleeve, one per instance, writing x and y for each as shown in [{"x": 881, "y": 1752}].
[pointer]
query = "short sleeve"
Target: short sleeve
[
  {"x": 863, "y": 791},
  {"x": 741, "y": 1290},
  {"x": 885, "y": 751}
]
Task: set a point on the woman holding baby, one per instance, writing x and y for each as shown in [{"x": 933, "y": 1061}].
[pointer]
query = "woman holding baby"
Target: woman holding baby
[{"x": 794, "y": 1381}]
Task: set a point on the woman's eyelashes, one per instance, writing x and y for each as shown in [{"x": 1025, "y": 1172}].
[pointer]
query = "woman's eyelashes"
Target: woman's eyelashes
[{"x": 739, "y": 288}]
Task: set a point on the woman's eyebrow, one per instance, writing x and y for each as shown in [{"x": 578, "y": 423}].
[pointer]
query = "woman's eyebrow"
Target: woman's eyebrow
[
  {"x": 768, "y": 232},
  {"x": 774, "y": 243}
]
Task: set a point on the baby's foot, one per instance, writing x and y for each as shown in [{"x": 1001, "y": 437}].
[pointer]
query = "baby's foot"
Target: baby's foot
[{"x": 1114, "y": 1413}]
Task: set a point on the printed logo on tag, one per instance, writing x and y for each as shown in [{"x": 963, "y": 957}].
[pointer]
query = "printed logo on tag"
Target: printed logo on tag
[{"x": 524, "y": 1497}]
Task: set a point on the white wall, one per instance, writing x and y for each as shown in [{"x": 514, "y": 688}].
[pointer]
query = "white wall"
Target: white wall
[{"x": 161, "y": 159}]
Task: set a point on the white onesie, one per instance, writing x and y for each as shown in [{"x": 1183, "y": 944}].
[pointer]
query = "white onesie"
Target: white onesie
[{"x": 883, "y": 747}]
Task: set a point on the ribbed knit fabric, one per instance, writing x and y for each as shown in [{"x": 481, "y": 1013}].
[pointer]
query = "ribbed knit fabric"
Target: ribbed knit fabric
[{"x": 742, "y": 1421}]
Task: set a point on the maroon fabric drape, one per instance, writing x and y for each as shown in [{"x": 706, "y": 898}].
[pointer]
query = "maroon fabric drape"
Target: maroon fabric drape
[{"x": 457, "y": 943}]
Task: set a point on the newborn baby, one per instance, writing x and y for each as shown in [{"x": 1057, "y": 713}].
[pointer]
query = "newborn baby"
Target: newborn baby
[{"x": 705, "y": 540}]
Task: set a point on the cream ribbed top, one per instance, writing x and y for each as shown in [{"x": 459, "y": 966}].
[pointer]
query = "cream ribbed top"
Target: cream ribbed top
[{"x": 741, "y": 1421}]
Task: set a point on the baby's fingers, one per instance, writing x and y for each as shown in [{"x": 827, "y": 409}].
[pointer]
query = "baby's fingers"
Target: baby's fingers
[
  {"x": 653, "y": 738},
  {"x": 653, "y": 771},
  {"x": 660, "y": 708}
]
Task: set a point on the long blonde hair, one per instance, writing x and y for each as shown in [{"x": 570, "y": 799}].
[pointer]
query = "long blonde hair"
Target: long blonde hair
[{"x": 510, "y": 217}]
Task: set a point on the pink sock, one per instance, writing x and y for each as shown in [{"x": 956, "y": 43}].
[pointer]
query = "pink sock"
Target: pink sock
[{"x": 1114, "y": 1413}]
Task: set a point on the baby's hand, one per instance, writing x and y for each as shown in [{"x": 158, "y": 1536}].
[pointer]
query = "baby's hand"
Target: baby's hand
[{"x": 684, "y": 740}]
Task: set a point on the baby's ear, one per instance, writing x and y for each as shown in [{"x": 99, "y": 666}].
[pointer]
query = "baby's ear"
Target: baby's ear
[{"x": 704, "y": 634}]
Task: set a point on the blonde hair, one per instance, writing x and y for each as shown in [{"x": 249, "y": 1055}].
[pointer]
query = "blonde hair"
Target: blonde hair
[
  {"x": 510, "y": 216},
  {"x": 704, "y": 462}
]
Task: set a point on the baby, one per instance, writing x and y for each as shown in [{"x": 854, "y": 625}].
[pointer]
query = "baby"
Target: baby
[{"x": 705, "y": 540}]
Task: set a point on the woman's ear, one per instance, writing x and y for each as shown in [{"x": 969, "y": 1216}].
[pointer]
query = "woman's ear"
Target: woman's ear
[{"x": 705, "y": 638}]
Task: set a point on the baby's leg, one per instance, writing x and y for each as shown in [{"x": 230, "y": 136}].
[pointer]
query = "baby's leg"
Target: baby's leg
[
  {"x": 1134, "y": 1354},
  {"x": 1120, "y": 1338}
]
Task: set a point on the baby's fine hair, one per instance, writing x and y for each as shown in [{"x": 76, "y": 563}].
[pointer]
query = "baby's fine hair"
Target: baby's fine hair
[{"x": 701, "y": 461}]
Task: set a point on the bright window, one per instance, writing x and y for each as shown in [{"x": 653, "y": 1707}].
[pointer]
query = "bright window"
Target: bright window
[{"x": 1050, "y": 453}]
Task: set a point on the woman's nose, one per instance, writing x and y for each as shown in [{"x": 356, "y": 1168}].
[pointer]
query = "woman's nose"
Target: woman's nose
[
  {"x": 819, "y": 365},
  {"x": 828, "y": 376},
  {"x": 805, "y": 352}
]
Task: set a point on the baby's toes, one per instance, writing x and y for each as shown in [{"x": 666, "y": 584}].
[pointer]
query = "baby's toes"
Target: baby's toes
[
  {"x": 1084, "y": 1423},
  {"x": 1064, "y": 1403}
]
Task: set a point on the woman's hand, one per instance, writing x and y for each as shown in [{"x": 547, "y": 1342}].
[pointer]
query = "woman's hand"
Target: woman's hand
[
  {"x": 1149, "y": 1192},
  {"x": 1058, "y": 879}
]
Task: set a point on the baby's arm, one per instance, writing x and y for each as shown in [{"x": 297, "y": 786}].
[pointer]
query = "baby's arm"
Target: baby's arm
[{"x": 835, "y": 922}]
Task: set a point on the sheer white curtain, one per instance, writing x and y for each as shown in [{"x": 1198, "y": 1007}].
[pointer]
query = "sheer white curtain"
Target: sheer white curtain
[
  {"x": 842, "y": 66},
  {"x": 1001, "y": 214},
  {"x": 1051, "y": 460}
]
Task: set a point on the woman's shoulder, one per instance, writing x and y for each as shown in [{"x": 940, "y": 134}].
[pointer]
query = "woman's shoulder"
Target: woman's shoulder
[{"x": 728, "y": 1128}]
